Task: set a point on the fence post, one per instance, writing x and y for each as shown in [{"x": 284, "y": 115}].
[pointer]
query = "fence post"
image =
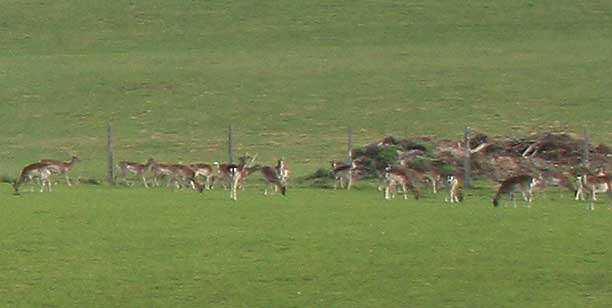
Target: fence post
[
  {"x": 230, "y": 141},
  {"x": 585, "y": 153},
  {"x": 350, "y": 144},
  {"x": 467, "y": 162},
  {"x": 110, "y": 175}
]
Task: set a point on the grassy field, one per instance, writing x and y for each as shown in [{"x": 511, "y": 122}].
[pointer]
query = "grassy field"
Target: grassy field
[
  {"x": 101, "y": 247},
  {"x": 291, "y": 76}
]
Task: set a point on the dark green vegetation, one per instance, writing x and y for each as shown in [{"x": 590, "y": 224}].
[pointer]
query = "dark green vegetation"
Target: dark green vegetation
[
  {"x": 292, "y": 76},
  {"x": 101, "y": 247}
]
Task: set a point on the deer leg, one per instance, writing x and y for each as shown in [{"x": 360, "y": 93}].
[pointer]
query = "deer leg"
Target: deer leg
[
  {"x": 404, "y": 191},
  {"x": 67, "y": 179},
  {"x": 349, "y": 181},
  {"x": 144, "y": 180}
]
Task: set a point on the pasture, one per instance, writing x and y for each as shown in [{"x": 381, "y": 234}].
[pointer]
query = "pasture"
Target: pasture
[
  {"x": 292, "y": 76},
  {"x": 99, "y": 247}
]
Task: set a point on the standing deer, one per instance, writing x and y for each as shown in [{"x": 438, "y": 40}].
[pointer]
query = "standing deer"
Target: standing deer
[
  {"x": 223, "y": 170},
  {"x": 204, "y": 170},
  {"x": 395, "y": 177},
  {"x": 182, "y": 174},
  {"x": 455, "y": 194},
  {"x": 342, "y": 172},
  {"x": 282, "y": 170},
  {"x": 41, "y": 170},
  {"x": 61, "y": 167},
  {"x": 127, "y": 167},
  {"x": 273, "y": 177},
  {"x": 594, "y": 185},
  {"x": 161, "y": 170}
]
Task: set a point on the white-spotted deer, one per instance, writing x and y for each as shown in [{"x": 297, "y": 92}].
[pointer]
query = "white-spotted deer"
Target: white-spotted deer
[
  {"x": 127, "y": 167},
  {"x": 395, "y": 177},
  {"x": 39, "y": 170},
  {"x": 455, "y": 183},
  {"x": 520, "y": 183},
  {"x": 61, "y": 167}
]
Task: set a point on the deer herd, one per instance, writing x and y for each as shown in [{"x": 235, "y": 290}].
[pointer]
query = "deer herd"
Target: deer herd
[
  {"x": 232, "y": 176},
  {"x": 197, "y": 176}
]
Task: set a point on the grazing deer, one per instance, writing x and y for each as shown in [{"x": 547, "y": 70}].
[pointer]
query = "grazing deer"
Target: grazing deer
[
  {"x": 433, "y": 177},
  {"x": 204, "y": 170},
  {"x": 397, "y": 177},
  {"x": 593, "y": 185},
  {"x": 522, "y": 183},
  {"x": 455, "y": 183},
  {"x": 40, "y": 170},
  {"x": 342, "y": 172},
  {"x": 61, "y": 167},
  {"x": 127, "y": 167}
]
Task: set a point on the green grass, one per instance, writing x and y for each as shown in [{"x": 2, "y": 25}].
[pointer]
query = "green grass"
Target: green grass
[
  {"x": 292, "y": 76},
  {"x": 99, "y": 247}
]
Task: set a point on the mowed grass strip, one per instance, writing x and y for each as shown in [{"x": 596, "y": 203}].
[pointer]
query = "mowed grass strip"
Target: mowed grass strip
[{"x": 100, "y": 246}]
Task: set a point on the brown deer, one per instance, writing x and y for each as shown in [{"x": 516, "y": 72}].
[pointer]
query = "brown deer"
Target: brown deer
[
  {"x": 273, "y": 177},
  {"x": 432, "y": 177},
  {"x": 61, "y": 167},
  {"x": 223, "y": 170},
  {"x": 182, "y": 174},
  {"x": 127, "y": 167},
  {"x": 557, "y": 179},
  {"x": 520, "y": 183},
  {"x": 397, "y": 177},
  {"x": 161, "y": 170},
  {"x": 40, "y": 170},
  {"x": 204, "y": 170}
]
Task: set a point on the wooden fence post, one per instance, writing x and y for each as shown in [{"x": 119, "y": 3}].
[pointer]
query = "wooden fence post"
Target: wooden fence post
[
  {"x": 467, "y": 162},
  {"x": 110, "y": 175},
  {"x": 230, "y": 141},
  {"x": 585, "y": 153},
  {"x": 350, "y": 144}
]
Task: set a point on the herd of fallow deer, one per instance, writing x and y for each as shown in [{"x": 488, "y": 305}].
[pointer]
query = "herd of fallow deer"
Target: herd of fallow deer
[
  {"x": 197, "y": 176},
  {"x": 201, "y": 176}
]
